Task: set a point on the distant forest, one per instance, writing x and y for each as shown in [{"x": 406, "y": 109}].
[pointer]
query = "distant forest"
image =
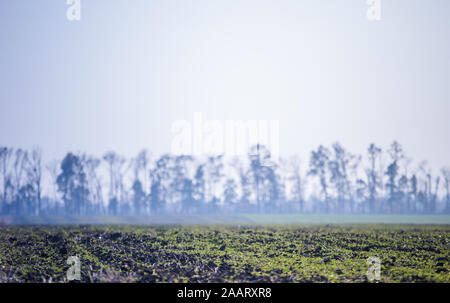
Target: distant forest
[{"x": 332, "y": 181}]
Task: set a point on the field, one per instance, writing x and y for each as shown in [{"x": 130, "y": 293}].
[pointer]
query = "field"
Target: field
[
  {"x": 226, "y": 253},
  {"x": 228, "y": 219}
]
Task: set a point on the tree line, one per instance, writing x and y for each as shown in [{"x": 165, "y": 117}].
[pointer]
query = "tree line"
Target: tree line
[{"x": 333, "y": 181}]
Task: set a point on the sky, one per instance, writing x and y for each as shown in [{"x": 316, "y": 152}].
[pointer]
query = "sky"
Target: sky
[{"x": 118, "y": 78}]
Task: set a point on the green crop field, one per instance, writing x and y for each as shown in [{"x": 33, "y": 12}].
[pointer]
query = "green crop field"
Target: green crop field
[{"x": 226, "y": 253}]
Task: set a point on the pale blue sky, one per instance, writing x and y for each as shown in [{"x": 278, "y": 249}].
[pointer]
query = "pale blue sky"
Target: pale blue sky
[{"x": 118, "y": 78}]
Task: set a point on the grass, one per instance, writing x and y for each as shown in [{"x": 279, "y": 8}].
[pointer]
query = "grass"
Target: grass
[{"x": 226, "y": 253}]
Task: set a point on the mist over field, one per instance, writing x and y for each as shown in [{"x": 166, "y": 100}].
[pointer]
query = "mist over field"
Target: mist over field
[{"x": 336, "y": 182}]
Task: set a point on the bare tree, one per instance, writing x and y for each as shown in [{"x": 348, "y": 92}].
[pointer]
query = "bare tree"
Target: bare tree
[
  {"x": 297, "y": 190},
  {"x": 53, "y": 170},
  {"x": 262, "y": 173},
  {"x": 424, "y": 186},
  {"x": 34, "y": 171},
  {"x": 396, "y": 153},
  {"x": 214, "y": 167},
  {"x": 117, "y": 170},
  {"x": 338, "y": 167},
  {"x": 446, "y": 174},
  {"x": 433, "y": 195},
  {"x": 19, "y": 168},
  {"x": 142, "y": 166},
  {"x": 373, "y": 180},
  {"x": 91, "y": 165},
  {"x": 5, "y": 160},
  {"x": 244, "y": 184},
  {"x": 318, "y": 167}
]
